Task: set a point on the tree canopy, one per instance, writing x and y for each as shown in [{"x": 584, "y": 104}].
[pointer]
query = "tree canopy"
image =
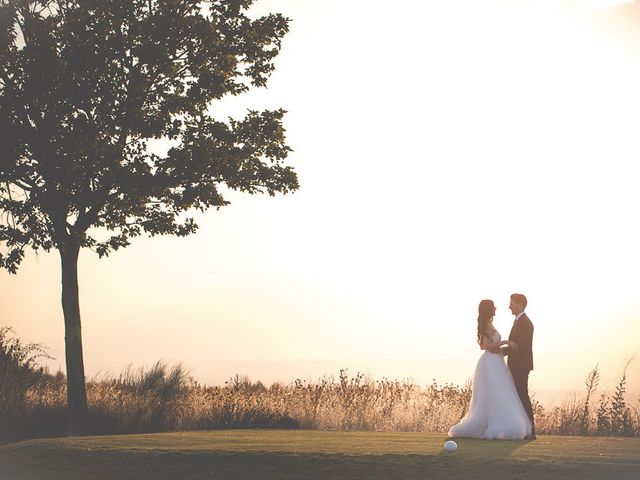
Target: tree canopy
[{"x": 86, "y": 84}]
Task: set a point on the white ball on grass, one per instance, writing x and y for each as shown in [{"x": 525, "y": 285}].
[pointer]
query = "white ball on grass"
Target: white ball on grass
[{"x": 450, "y": 446}]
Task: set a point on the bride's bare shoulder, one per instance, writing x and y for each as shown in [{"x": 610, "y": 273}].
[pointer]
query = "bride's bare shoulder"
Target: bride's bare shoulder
[{"x": 495, "y": 334}]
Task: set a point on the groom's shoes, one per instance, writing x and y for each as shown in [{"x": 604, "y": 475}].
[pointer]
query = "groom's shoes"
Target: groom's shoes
[{"x": 531, "y": 437}]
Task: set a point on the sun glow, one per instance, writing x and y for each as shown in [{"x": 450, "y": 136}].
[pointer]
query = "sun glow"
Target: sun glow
[{"x": 605, "y": 3}]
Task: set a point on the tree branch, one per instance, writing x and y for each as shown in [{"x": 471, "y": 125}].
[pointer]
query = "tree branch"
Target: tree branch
[{"x": 25, "y": 186}]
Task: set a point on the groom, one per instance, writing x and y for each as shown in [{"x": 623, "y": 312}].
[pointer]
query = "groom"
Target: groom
[{"x": 520, "y": 360}]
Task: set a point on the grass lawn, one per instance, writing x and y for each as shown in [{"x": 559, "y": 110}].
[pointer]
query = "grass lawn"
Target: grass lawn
[{"x": 298, "y": 454}]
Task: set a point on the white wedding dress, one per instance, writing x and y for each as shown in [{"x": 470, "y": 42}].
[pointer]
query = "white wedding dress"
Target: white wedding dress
[{"x": 496, "y": 411}]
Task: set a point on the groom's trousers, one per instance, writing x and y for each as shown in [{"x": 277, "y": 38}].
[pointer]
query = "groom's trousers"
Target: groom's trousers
[{"x": 521, "y": 379}]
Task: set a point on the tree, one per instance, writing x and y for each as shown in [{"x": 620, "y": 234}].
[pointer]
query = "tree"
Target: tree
[{"x": 85, "y": 85}]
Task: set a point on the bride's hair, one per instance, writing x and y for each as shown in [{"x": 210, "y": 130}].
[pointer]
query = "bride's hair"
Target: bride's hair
[{"x": 486, "y": 310}]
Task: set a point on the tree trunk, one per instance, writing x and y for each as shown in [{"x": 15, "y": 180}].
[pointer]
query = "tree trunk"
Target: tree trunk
[{"x": 77, "y": 413}]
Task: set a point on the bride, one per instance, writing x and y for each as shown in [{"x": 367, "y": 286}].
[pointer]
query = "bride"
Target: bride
[{"x": 496, "y": 411}]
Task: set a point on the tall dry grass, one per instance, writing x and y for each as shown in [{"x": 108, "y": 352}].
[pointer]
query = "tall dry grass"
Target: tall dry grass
[
  {"x": 578, "y": 415},
  {"x": 19, "y": 375},
  {"x": 166, "y": 398}
]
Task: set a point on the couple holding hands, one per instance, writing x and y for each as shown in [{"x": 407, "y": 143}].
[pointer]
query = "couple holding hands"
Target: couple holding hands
[{"x": 500, "y": 405}]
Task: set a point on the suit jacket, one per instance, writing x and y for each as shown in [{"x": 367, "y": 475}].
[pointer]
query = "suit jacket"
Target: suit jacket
[{"x": 521, "y": 359}]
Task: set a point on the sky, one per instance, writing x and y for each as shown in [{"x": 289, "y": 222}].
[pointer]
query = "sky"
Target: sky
[{"x": 447, "y": 152}]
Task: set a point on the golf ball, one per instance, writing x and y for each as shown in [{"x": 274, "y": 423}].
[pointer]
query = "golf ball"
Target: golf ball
[{"x": 450, "y": 446}]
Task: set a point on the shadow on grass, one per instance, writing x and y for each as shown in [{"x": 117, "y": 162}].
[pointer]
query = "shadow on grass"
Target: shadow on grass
[
  {"x": 477, "y": 447},
  {"x": 104, "y": 464}
]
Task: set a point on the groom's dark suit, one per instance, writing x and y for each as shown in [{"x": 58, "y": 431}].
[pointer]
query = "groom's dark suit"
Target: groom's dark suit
[{"x": 520, "y": 360}]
